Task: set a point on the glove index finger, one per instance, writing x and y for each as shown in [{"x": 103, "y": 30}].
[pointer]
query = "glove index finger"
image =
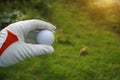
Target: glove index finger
[{"x": 36, "y": 49}]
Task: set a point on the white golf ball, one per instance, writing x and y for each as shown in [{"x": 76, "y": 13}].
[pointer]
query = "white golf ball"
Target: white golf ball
[{"x": 45, "y": 37}]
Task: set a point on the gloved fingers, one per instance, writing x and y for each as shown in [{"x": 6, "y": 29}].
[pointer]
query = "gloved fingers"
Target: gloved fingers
[
  {"x": 22, "y": 28},
  {"x": 19, "y": 51},
  {"x": 28, "y": 50}
]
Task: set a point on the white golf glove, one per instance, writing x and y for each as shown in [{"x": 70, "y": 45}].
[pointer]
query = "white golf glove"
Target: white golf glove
[{"x": 13, "y": 48}]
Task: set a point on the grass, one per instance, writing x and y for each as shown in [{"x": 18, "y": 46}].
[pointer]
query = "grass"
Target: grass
[{"x": 75, "y": 31}]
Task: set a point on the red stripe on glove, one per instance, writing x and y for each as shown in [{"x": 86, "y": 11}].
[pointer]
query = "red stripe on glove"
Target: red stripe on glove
[{"x": 11, "y": 38}]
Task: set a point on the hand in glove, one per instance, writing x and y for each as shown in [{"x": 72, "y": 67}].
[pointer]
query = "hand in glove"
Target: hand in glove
[{"x": 13, "y": 48}]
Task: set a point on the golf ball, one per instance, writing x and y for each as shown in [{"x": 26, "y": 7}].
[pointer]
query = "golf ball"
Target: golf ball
[{"x": 45, "y": 37}]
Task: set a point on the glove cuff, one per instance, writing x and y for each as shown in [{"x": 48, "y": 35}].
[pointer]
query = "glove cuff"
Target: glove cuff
[{"x": 11, "y": 38}]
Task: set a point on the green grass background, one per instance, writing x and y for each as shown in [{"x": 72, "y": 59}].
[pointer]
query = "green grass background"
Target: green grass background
[{"x": 75, "y": 30}]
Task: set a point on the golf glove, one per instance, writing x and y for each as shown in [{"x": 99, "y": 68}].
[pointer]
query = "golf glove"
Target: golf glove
[{"x": 13, "y": 47}]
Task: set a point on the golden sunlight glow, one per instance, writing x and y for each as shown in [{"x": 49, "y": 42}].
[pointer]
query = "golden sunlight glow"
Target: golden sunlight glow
[{"x": 104, "y": 3}]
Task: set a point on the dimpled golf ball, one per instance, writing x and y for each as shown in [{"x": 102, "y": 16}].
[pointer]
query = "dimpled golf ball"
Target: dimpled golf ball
[{"x": 45, "y": 37}]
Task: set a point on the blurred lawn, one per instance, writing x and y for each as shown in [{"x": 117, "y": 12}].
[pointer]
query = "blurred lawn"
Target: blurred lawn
[{"x": 75, "y": 30}]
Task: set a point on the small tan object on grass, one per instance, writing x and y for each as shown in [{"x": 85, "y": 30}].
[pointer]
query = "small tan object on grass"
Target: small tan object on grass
[{"x": 82, "y": 51}]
